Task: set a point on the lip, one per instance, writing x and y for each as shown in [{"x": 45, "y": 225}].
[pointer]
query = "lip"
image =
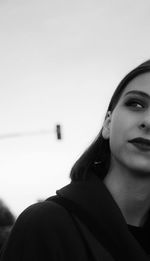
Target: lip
[{"x": 141, "y": 143}]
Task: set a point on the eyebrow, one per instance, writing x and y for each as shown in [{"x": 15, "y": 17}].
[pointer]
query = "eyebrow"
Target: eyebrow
[{"x": 143, "y": 94}]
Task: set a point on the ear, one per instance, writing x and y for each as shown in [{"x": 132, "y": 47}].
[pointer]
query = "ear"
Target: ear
[{"x": 106, "y": 126}]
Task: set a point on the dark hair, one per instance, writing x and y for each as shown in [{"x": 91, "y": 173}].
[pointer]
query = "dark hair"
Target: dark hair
[{"x": 97, "y": 155}]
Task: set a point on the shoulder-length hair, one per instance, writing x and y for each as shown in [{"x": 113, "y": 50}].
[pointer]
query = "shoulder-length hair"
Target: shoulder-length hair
[{"x": 97, "y": 156}]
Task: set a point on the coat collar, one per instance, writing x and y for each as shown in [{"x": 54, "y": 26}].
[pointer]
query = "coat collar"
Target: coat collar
[{"x": 96, "y": 201}]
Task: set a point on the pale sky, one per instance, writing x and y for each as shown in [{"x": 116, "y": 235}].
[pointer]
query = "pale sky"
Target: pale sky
[{"x": 60, "y": 62}]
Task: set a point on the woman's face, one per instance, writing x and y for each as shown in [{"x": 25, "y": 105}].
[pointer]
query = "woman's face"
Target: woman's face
[{"x": 129, "y": 125}]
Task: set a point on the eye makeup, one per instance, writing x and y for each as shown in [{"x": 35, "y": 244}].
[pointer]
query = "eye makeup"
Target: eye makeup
[
  {"x": 135, "y": 103},
  {"x": 137, "y": 100}
]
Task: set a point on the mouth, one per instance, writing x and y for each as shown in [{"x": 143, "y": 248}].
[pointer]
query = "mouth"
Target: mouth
[{"x": 141, "y": 143}]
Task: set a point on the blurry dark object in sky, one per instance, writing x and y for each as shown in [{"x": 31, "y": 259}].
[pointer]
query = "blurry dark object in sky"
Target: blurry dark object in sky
[{"x": 58, "y": 130}]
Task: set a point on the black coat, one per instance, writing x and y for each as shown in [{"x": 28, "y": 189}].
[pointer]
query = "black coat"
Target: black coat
[{"x": 86, "y": 225}]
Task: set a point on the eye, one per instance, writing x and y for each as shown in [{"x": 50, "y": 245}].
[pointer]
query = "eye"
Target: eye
[{"x": 136, "y": 104}]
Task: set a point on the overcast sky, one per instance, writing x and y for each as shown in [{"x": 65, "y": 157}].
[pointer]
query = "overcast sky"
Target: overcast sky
[{"x": 60, "y": 62}]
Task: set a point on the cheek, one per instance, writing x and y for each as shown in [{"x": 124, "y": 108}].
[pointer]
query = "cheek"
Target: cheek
[
  {"x": 122, "y": 123},
  {"x": 119, "y": 130}
]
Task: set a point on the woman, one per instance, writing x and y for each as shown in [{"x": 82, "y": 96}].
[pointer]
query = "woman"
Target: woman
[{"x": 103, "y": 214}]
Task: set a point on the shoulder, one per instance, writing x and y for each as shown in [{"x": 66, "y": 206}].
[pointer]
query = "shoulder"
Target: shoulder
[
  {"x": 40, "y": 223},
  {"x": 44, "y": 215},
  {"x": 42, "y": 209},
  {"x": 43, "y": 231}
]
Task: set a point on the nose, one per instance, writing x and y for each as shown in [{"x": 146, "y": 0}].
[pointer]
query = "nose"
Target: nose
[{"x": 145, "y": 122}]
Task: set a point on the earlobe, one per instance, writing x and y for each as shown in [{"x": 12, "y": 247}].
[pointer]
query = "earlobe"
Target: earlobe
[{"x": 105, "y": 133}]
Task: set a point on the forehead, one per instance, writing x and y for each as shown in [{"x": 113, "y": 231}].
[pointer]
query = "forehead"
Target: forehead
[{"x": 139, "y": 83}]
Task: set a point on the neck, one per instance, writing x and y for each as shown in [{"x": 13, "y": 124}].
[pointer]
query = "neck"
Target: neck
[{"x": 131, "y": 193}]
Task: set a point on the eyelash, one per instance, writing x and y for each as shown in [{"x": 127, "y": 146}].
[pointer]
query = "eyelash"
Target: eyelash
[{"x": 132, "y": 103}]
